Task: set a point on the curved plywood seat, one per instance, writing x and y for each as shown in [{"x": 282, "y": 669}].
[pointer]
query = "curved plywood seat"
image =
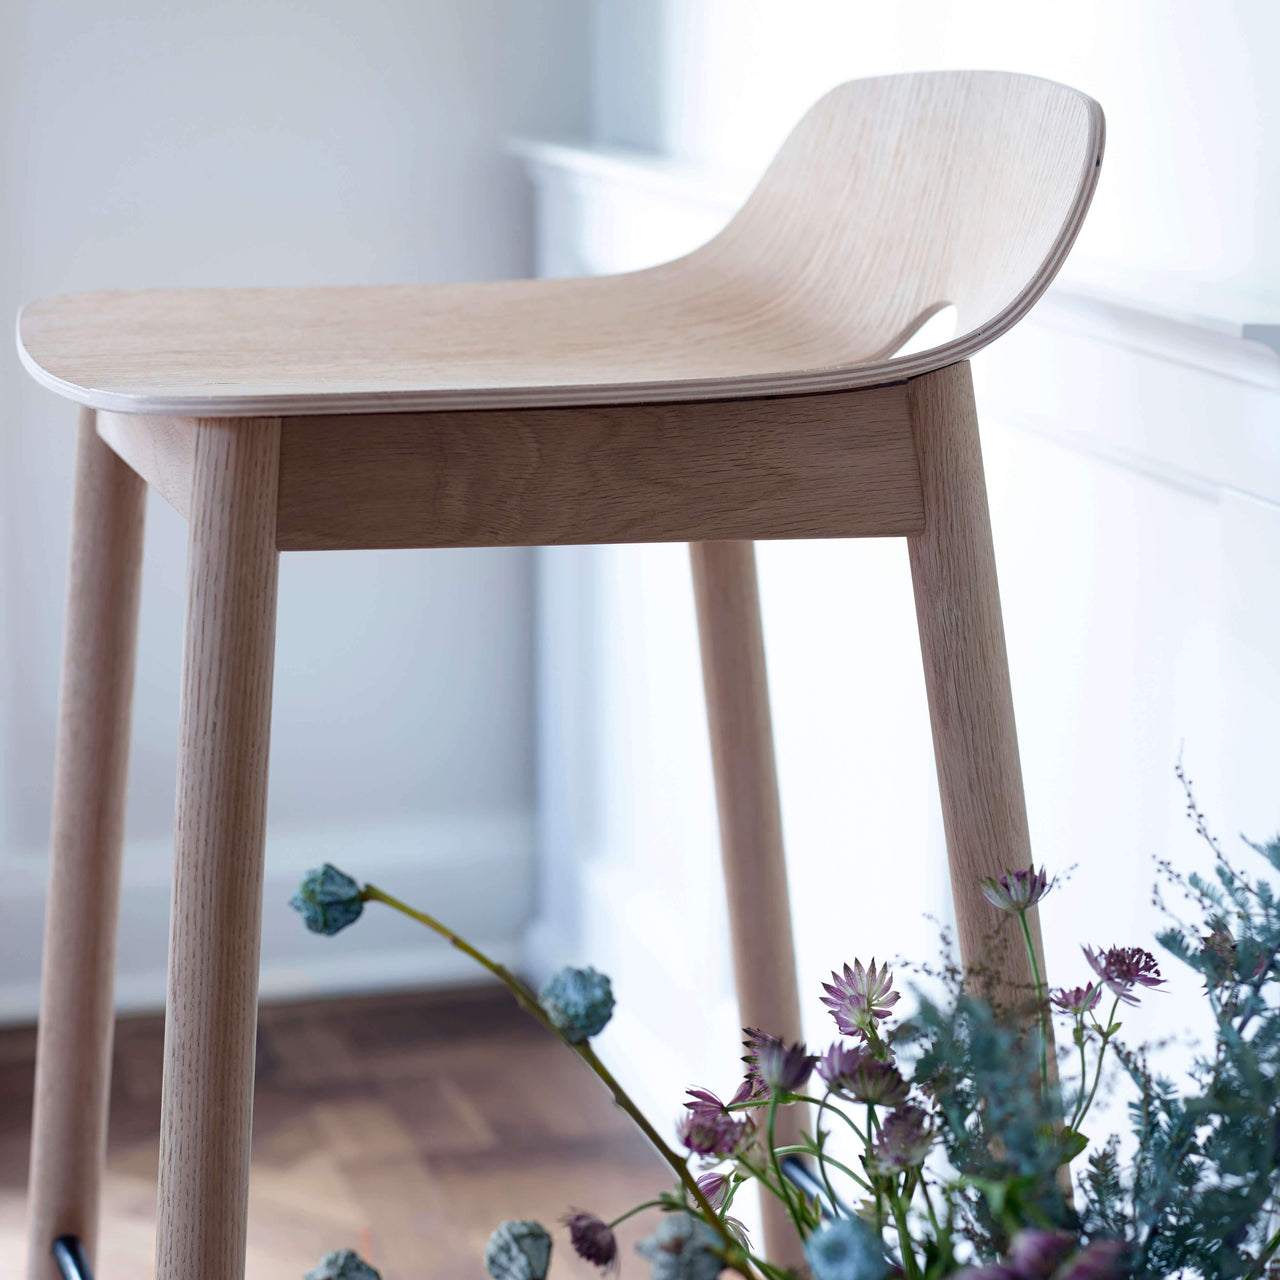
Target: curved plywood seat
[{"x": 892, "y": 198}]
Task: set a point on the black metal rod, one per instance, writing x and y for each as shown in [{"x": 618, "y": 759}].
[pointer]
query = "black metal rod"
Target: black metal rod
[
  {"x": 798, "y": 1171},
  {"x": 68, "y": 1253}
]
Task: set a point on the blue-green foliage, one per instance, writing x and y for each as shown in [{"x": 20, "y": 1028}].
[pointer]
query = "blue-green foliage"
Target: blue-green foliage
[
  {"x": 983, "y": 1075},
  {"x": 1199, "y": 1196}
]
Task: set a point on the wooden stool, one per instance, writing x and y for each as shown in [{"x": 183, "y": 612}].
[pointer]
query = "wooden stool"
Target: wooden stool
[{"x": 746, "y": 391}]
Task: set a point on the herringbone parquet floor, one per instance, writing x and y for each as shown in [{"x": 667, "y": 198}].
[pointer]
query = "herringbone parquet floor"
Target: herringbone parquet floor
[{"x": 405, "y": 1126}]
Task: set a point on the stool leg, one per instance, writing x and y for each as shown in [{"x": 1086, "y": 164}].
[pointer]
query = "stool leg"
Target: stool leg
[
  {"x": 975, "y": 742},
  {"x": 755, "y": 872},
  {"x": 211, "y": 1015},
  {"x": 73, "y": 1053}
]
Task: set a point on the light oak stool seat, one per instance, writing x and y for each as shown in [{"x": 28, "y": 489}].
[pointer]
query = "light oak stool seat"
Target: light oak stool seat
[{"x": 748, "y": 390}]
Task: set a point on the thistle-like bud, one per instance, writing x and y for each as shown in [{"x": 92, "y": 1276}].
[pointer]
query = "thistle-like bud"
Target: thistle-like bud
[
  {"x": 592, "y": 1239},
  {"x": 846, "y": 1249},
  {"x": 342, "y": 1264},
  {"x": 579, "y": 1003},
  {"x": 327, "y": 900},
  {"x": 519, "y": 1250},
  {"x": 682, "y": 1247}
]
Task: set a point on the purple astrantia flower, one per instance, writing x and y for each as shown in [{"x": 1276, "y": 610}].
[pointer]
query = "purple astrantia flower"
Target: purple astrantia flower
[
  {"x": 1101, "y": 1260},
  {"x": 1036, "y": 1253},
  {"x": 903, "y": 1143},
  {"x": 838, "y": 1065},
  {"x": 860, "y": 997},
  {"x": 715, "y": 1186},
  {"x": 773, "y": 1066},
  {"x": 706, "y": 1103},
  {"x": 863, "y": 1077},
  {"x": 706, "y": 1134},
  {"x": 1077, "y": 1000},
  {"x": 592, "y": 1239},
  {"x": 1123, "y": 968},
  {"x": 1016, "y": 891}
]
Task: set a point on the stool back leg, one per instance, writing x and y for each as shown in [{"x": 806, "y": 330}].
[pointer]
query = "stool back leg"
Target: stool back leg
[
  {"x": 211, "y": 1016},
  {"x": 966, "y": 671},
  {"x": 742, "y": 756},
  {"x": 73, "y": 1054}
]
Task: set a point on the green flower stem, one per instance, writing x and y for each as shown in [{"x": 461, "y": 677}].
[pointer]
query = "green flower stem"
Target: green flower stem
[
  {"x": 1082, "y": 1109},
  {"x": 734, "y": 1255},
  {"x": 905, "y": 1243},
  {"x": 777, "y": 1169},
  {"x": 1041, "y": 1010},
  {"x": 830, "y": 1106},
  {"x": 1264, "y": 1257},
  {"x": 631, "y": 1213}
]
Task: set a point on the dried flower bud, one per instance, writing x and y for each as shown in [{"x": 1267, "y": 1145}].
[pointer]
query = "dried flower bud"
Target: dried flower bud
[
  {"x": 519, "y": 1250},
  {"x": 682, "y": 1247},
  {"x": 847, "y": 1249},
  {"x": 579, "y": 1003},
  {"x": 342, "y": 1264},
  {"x": 592, "y": 1239},
  {"x": 327, "y": 900}
]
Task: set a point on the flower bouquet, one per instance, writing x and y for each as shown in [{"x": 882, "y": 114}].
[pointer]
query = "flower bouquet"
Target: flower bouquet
[{"x": 954, "y": 1142}]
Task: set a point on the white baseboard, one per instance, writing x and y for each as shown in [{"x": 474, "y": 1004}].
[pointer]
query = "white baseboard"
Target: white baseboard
[{"x": 475, "y": 872}]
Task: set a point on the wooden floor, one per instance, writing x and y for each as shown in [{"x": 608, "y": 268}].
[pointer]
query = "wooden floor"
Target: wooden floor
[{"x": 405, "y": 1126}]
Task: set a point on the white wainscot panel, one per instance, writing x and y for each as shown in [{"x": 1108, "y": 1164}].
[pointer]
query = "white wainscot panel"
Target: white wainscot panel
[{"x": 1133, "y": 461}]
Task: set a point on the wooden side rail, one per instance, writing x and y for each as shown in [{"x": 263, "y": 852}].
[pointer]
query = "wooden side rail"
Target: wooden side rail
[{"x": 841, "y": 464}]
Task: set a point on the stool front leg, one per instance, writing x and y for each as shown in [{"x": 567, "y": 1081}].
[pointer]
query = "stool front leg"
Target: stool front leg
[
  {"x": 966, "y": 671},
  {"x": 755, "y": 870},
  {"x": 73, "y": 1054},
  {"x": 211, "y": 1015}
]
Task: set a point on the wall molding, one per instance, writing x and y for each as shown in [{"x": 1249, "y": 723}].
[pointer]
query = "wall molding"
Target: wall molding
[
  {"x": 476, "y": 872},
  {"x": 1123, "y": 367}
]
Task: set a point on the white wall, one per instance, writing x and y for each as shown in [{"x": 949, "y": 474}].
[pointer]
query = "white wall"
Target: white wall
[
  {"x": 148, "y": 143},
  {"x": 1133, "y": 462}
]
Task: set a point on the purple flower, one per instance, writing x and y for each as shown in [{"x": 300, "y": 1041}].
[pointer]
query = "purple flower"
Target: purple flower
[
  {"x": 1077, "y": 1000},
  {"x": 1101, "y": 1260},
  {"x": 715, "y": 1186},
  {"x": 1035, "y": 1254},
  {"x": 592, "y": 1239},
  {"x": 774, "y": 1065},
  {"x": 1123, "y": 968},
  {"x": 904, "y": 1141},
  {"x": 857, "y": 1074},
  {"x": 860, "y": 998},
  {"x": 707, "y": 1134},
  {"x": 706, "y": 1103},
  {"x": 1016, "y": 891}
]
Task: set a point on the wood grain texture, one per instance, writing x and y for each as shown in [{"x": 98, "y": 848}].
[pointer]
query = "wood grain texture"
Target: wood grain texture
[
  {"x": 892, "y": 198},
  {"x": 838, "y": 465},
  {"x": 975, "y": 741},
  {"x": 161, "y": 450},
  {"x": 217, "y": 892},
  {"x": 69, "y": 1128},
  {"x": 731, "y": 637}
]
